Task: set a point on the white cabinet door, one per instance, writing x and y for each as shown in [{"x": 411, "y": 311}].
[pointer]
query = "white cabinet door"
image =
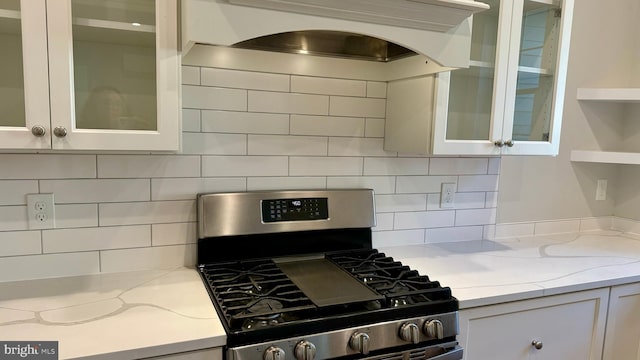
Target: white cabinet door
[
  {"x": 623, "y": 324},
  {"x": 114, "y": 74},
  {"x": 567, "y": 327},
  {"x": 24, "y": 85},
  {"x": 90, "y": 75},
  {"x": 510, "y": 100}
]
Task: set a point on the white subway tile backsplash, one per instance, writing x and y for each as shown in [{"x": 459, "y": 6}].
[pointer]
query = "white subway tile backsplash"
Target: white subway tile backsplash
[
  {"x": 513, "y": 230},
  {"x": 97, "y": 190},
  {"x": 376, "y": 89},
  {"x": 190, "y": 75},
  {"x": 188, "y": 188},
  {"x": 174, "y": 234},
  {"x": 379, "y": 184},
  {"x": 286, "y": 182},
  {"x": 204, "y": 97},
  {"x": 327, "y": 125},
  {"x": 156, "y": 257},
  {"x": 458, "y": 166},
  {"x": 475, "y": 217},
  {"x": 478, "y": 183},
  {"x": 319, "y": 166},
  {"x": 556, "y": 227},
  {"x": 596, "y": 223},
  {"x": 48, "y": 266},
  {"x": 327, "y": 86},
  {"x": 374, "y": 127},
  {"x": 13, "y": 218},
  {"x": 47, "y": 166},
  {"x": 491, "y": 199},
  {"x": 289, "y": 103},
  {"x": 100, "y": 238},
  {"x": 494, "y": 166},
  {"x": 75, "y": 216},
  {"x": 452, "y": 234},
  {"x": 14, "y": 243},
  {"x": 13, "y": 192},
  {"x": 358, "y": 107},
  {"x": 383, "y": 239},
  {"x": 144, "y": 166},
  {"x": 475, "y": 200},
  {"x": 245, "y": 166},
  {"x": 242, "y": 131},
  {"x": 424, "y": 219},
  {"x": 190, "y": 120},
  {"x": 396, "y": 203},
  {"x": 287, "y": 145},
  {"x": 423, "y": 184},
  {"x": 153, "y": 212},
  {"x": 244, "y": 79},
  {"x": 214, "y": 144},
  {"x": 396, "y": 166},
  {"x": 350, "y": 146},
  {"x": 384, "y": 221},
  {"x": 244, "y": 122}
]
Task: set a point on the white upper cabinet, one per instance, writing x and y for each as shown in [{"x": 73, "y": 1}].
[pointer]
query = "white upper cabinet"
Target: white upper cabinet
[
  {"x": 91, "y": 75},
  {"x": 510, "y": 100}
]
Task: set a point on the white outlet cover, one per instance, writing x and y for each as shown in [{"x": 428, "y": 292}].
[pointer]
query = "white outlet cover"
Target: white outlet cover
[
  {"x": 41, "y": 211},
  {"x": 447, "y": 195}
]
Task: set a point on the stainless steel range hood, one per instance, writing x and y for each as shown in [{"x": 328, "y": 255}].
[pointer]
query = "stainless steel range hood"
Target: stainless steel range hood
[{"x": 380, "y": 30}]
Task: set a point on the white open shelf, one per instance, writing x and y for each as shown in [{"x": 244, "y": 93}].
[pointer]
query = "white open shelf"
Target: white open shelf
[
  {"x": 609, "y": 94},
  {"x": 608, "y": 157},
  {"x": 620, "y": 95}
]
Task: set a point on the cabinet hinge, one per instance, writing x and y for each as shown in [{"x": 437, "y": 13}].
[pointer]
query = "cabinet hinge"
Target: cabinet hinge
[{"x": 557, "y": 13}]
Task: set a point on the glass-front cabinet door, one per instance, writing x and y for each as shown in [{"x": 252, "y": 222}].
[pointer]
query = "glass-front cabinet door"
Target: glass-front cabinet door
[
  {"x": 24, "y": 88},
  {"x": 114, "y": 74},
  {"x": 509, "y": 101}
]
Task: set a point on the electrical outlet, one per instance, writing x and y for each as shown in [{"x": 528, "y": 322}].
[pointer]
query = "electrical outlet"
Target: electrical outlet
[
  {"x": 447, "y": 195},
  {"x": 41, "y": 211},
  {"x": 601, "y": 189}
]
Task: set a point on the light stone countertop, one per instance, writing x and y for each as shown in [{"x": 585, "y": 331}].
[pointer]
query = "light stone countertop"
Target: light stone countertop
[
  {"x": 489, "y": 272},
  {"x": 150, "y": 313},
  {"x": 113, "y": 316}
]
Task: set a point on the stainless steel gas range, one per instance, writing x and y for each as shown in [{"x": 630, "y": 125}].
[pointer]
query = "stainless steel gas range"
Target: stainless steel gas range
[{"x": 293, "y": 276}]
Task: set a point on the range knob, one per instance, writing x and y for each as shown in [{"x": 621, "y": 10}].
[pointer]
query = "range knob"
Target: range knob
[
  {"x": 273, "y": 353},
  {"x": 359, "y": 342},
  {"x": 410, "y": 332},
  {"x": 433, "y": 329},
  {"x": 305, "y": 350}
]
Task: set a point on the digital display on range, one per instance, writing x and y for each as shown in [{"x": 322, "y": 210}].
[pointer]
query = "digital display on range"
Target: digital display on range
[{"x": 274, "y": 210}]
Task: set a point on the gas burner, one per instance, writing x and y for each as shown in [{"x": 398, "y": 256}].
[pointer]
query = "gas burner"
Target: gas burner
[
  {"x": 401, "y": 301},
  {"x": 262, "y": 321}
]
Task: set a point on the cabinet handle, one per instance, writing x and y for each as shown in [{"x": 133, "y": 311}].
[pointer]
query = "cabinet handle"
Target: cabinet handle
[
  {"x": 60, "y": 131},
  {"x": 498, "y": 143},
  {"x": 509, "y": 143},
  {"x": 537, "y": 344},
  {"x": 38, "y": 130}
]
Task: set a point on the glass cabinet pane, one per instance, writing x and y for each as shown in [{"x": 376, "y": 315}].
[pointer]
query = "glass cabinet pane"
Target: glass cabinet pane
[
  {"x": 534, "y": 89},
  {"x": 471, "y": 90},
  {"x": 12, "y": 105},
  {"x": 114, "y": 61}
]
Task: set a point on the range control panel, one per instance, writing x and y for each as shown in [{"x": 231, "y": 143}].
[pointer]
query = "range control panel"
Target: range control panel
[{"x": 275, "y": 210}]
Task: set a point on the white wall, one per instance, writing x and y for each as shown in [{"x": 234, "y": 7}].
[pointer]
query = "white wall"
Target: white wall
[
  {"x": 242, "y": 130},
  {"x": 603, "y": 53}
]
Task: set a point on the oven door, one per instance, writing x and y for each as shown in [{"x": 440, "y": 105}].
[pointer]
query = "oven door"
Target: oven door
[{"x": 445, "y": 351}]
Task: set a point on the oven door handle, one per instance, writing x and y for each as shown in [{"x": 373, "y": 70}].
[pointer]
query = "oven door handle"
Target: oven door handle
[{"x": 453, "y": 354}]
